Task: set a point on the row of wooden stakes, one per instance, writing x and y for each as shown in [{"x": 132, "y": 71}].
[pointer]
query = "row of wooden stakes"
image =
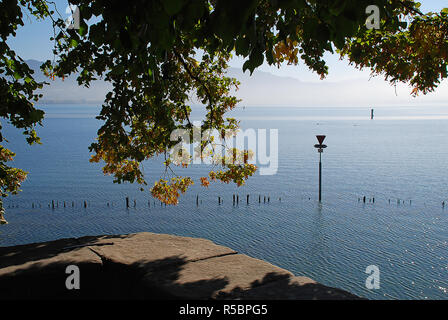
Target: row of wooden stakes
[
  {"x": 236, "y": 199},
  {"x": 399, "y": 201},
  {"x": 52, "y": 204},
  {"x": 372, "y": 200},
  {"x": 65, "y": 204}
]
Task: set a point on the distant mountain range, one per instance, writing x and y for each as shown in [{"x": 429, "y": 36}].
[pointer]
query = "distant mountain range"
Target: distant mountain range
[
  {"x": 67, "y": 90},
  {"x": 263, "y": 89}
]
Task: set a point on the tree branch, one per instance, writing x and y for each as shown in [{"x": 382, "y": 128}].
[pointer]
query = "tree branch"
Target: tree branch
[
  {"x": 190, "y": 73},
  {"x": 412, "y": 9}
]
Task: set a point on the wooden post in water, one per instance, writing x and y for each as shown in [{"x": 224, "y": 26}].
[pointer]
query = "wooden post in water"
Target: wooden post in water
[
  {"x": 371, "y": 114},
  {"x": 197, "y": 200},
  {"x": 127, "y": 202},
  {"x": 85, "y": 204},
  {"x": 247, "y": 200}
]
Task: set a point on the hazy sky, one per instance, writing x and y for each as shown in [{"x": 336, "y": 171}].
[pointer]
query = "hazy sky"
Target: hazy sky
[{"x": 32, "y": 42}]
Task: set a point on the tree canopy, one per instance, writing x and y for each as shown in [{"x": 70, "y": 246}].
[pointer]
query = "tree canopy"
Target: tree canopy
[{"x": 148, "y": 50}]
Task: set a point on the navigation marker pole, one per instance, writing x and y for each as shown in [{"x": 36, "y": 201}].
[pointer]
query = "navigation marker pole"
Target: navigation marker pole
[{"x": 320, "y": 148}]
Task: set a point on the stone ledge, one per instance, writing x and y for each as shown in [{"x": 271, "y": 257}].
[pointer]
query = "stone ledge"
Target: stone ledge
[{"x": 149, "y": 266}]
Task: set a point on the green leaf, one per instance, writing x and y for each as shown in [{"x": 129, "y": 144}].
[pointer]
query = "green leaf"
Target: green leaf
[
  {"x": 73, "y": 42},
  {"x": 83, "y": 28},
  {"x": 242, "y": 46},
  {"x": 256, "y": 59}
]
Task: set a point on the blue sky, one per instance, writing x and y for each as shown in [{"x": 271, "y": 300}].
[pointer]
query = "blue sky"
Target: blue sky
[{"x": 32, "y": 42}]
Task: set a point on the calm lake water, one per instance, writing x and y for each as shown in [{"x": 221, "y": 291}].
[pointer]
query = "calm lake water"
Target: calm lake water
[{"x": 402, "y": 154}]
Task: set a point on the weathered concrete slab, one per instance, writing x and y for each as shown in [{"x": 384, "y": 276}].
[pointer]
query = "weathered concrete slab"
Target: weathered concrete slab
[
  {"x": 18, "y": 255},
  {"x": 148, "y": 266},
  {"x": 44, "y": 255},
  {"x": 219, "y": 277},
  {"x": 162, "y": 249},
  {"x": 79, "y": 256},
  {"x": 38, "y": 271}
]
